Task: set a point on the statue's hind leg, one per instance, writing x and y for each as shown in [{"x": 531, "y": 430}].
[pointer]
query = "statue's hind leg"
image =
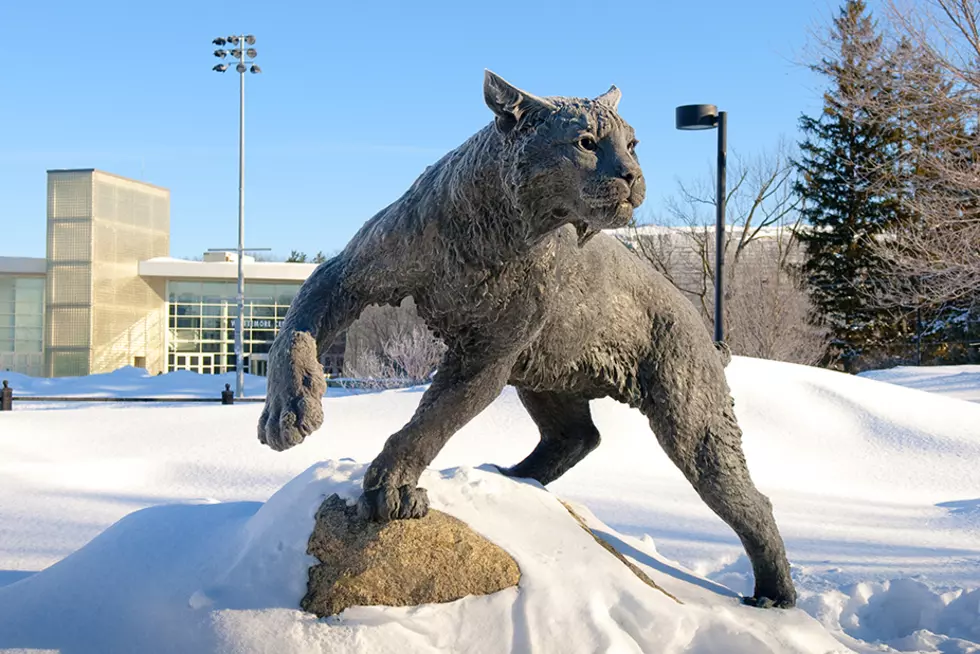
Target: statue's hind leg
[
  {"x": 690, "y": 410},
  {"x": 567, "y": 434}
]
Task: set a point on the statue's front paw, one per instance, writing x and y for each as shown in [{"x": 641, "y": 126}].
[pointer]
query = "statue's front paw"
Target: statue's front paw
[
  {"x": 294, "y": 402},
  {"x": 285, "y": 422},
  {"x": 388, "y": 503}
]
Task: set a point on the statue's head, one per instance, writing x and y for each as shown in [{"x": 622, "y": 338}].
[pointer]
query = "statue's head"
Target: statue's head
[{"x": 568, "y": 160}]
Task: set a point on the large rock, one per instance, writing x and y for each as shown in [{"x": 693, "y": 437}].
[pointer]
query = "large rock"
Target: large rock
[{"x": 401, "y": 563}]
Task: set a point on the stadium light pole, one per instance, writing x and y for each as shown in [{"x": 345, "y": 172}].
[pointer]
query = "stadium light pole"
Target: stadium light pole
[
  {"x": 707, "y": 116},
  {"x": 245, "y": 54}
]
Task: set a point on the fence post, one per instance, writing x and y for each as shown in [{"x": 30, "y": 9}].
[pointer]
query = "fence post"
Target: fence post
[
  {"x": 227, "y": 395},
  {"x": 6, "y": 397}
]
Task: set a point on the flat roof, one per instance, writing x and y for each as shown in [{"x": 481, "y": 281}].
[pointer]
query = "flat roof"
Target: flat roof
[
  {"x": 107, "y": 174},
  {"x": 266, "y": 271},
  {"x": 23, "y": 266}
]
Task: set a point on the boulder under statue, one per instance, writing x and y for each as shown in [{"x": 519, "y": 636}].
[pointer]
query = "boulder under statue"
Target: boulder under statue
[{"x": 499, "y": 244}]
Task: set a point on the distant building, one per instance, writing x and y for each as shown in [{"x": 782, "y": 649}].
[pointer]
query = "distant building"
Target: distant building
[{"x": 108, "y": 295}]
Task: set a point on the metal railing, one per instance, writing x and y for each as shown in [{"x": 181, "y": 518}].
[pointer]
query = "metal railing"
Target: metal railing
[
  {"x": 7, "y": 398},
  {"x": 227, "y": 396}
]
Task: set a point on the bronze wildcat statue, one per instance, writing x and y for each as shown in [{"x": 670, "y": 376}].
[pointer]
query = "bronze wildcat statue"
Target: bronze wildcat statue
[{"x": 499, "y": 245}]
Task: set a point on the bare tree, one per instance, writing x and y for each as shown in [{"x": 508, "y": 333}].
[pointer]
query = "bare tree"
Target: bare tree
[
  {"x": 392, "y": 343},
  {"x": 767, "y": 312}
]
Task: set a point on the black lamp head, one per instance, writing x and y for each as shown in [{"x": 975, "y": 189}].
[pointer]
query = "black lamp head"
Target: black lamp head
[{"x": 696, "y": 116}]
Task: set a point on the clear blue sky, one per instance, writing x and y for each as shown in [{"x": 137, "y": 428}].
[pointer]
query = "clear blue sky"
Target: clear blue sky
[{"x": 356, "y": 98}]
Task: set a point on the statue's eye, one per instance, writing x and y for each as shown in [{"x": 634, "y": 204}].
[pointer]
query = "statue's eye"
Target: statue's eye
[
  {"x": 632, "y": 145},
  {"x": 588, "y": 143}
]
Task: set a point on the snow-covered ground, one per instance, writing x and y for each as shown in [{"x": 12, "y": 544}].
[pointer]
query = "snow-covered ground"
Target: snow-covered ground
[
  {"x": 875, "y": 487},
  {"x": 961, "y": 382}
]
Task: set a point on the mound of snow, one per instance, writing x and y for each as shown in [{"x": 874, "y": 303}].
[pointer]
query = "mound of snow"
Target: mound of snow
[
  {"x": 873, "y": 486},
  {"x": 228, "y": 578},
  {"x": 962, "y": 382}
]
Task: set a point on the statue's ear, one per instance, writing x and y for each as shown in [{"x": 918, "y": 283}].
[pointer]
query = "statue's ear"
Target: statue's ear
[
  {"x": 509, "y": 103},
  {"x": 610, "y": 98}
]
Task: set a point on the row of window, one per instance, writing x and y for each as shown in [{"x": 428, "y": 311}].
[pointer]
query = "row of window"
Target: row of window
[
  {"x": 21, "y": 314},
  {"x": 226, "y": 293},
  {"x": 21, "y": 346},
  {"x": 229, "y": 310},
  {"x": 204, "y": 315},
  {"x": 18, "y": 333},
  {"x": 21, "y": 289},
  {"x": 182, "y": 343}
]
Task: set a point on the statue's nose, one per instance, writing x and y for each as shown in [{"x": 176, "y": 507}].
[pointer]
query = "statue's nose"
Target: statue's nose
[{"x": 628, "y": 173}]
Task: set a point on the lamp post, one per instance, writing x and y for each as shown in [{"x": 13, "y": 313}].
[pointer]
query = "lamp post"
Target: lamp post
[
  {"x": 707, "y": 116},
  {"x": 239, "y": 51}
]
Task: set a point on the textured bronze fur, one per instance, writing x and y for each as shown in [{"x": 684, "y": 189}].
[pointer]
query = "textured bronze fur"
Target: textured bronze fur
[{"x": 499, "y": 244}]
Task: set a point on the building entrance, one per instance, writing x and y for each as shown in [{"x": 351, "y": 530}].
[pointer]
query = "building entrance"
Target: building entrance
[
  {"x": 257, "y": 364},
  {"x": 200, "y": 363}
]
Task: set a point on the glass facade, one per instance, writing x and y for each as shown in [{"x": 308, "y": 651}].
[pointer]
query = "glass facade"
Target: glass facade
[
  {"x": 22, "y": 324},
  {"x": 203, "y": 316}
]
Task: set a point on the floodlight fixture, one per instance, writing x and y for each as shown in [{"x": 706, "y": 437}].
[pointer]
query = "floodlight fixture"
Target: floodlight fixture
[
  {"x": 255, "y": 69},
  {"x": 219, "y": 41},
  {"x": 232, "y": 39},
  {"x": 220, "y": 54},
  {"x": 252, "y": 53},
  {"x": 220, "y": 68},
  {"x": 707, "y": 116},
  {"x": 250, "y": 39},
  {"x": 236, "y": 53},
  {"x": 241, "y": 68}
]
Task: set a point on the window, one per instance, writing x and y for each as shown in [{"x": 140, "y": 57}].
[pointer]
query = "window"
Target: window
[{"x": 203, "y": 316}]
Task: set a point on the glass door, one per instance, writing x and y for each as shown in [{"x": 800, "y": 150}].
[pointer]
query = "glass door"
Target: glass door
[{"x": 258, "y": 364}]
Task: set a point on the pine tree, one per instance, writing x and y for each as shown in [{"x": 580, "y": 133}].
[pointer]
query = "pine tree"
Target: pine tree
[{"x": 846, "y": 159}]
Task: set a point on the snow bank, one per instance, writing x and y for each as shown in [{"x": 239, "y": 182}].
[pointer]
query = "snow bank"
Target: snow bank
[
  {"x": 901, "y": 614},
  {"x": 227, "y": 578},
  {"x": 131, "y": 382},
  {"x": 962, "y": 382},
  {"x": 874, "y": 487}
]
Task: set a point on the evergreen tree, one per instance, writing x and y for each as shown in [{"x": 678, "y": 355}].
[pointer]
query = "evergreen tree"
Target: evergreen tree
[
  {"x": 847, "y": 157},
  {"x": 301, "y": 257}
]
